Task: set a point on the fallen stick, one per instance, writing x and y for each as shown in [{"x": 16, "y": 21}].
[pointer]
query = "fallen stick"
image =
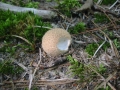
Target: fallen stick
[
  {"x": 43, "y": 82},
  {"x": 45, "y": 14}
]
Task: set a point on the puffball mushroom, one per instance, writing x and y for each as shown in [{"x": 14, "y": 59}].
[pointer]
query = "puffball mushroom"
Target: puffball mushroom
[{"x": 56, "y": 41}]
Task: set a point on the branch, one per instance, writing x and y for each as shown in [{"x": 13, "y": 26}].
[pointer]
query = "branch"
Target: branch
[
  {"x": 42, "y": 82},
  {"x": 45, "y": 14}
]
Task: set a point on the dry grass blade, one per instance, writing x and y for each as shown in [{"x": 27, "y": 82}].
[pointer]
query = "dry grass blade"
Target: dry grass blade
[
  {"x": 96, "y": 72},
  {"x": 99, "y": 47},
  {"x": 79, "y": 42},
  {"x": 44, "y": 82},
  {"x": 106, "y": 82},
  {"x": 113, "y": 4},
  {"x": 23, "y": 39},
  {"x": 99, "y": 1},
  {"x": 56, "y": 81},
  {"x": 114, "y": 24},
  {"x": 111, "y": 86},
  {"x": 30, "y": 79},
  {"x": 42, "y": 27},
  {"x": 114, "y": 49},
  {"x": 22, "y": 66},
  {"x": 32, "y": 75}
]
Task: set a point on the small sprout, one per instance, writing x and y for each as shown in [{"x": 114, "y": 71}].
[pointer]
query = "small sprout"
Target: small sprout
[{"x": 56, "y": 41}]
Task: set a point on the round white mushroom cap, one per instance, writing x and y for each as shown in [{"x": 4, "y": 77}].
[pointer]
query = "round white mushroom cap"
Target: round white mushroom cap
[{"x": 56, "y": 41}]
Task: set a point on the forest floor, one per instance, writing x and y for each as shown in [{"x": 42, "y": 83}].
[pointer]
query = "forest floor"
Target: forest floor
[{"x": 91, "y": 63}]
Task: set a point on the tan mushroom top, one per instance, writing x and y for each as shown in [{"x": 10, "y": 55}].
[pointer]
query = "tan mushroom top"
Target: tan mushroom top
[{"x": 56, "y": 41}]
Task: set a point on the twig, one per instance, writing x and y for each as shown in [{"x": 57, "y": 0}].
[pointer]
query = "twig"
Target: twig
[
  {"x": 32, "y": 75},
  {"x": 42, "y": 82},
  {"x": 45, "y": 14}
]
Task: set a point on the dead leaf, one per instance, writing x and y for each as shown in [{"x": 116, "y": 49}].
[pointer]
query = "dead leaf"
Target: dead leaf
[{"x": 88, "y": 4}]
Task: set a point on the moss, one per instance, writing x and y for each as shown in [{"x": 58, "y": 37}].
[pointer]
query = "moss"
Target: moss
[
  {"x": 66, "y": 6},
  {"x": 95, "y": 0},
  {"x": 81, "y": 69},
  {"x": 7, "y": 67},
  {"x": 107, "y": 2},
  {"x": 117, "y": 43},
  {"x": 118, "y": 22},
  {"x": 22, "y": 24},
  {"x": 101, "y": 18},
  {"x": 91, "y": 48},
  {"x": 77, "y": 68},
  {"x": 80, "y": 27},
  {"x": 105, "y": 88},
  {"x": 23, "y": 3}
]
